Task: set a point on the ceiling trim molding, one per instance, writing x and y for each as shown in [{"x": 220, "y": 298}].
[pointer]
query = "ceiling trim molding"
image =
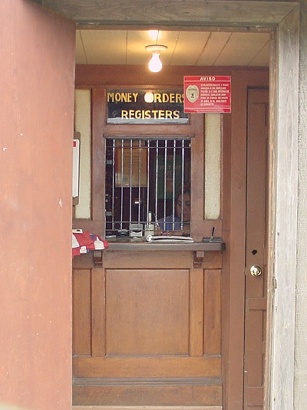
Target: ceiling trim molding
[{"x": 210, "y": 13}]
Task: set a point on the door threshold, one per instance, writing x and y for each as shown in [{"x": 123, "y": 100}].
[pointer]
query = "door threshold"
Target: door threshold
[{"x": 146, "y": 407}]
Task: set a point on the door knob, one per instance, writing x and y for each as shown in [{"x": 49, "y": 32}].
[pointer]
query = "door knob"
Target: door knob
[{"x": 255, "y": 270}]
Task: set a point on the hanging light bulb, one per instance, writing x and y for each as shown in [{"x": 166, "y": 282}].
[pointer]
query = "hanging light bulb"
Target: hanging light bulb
[{"x": 155, "y": 63}]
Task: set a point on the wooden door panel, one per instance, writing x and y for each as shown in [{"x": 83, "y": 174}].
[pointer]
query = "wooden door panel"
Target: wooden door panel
[
  {"x": 255, "y": 286},
  {"x": 212, "y": 312},
  {"x": 254, "y": 349}
]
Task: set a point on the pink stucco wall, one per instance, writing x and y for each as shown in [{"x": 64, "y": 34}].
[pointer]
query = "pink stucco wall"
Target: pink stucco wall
[{"x": 36, "y": 117}]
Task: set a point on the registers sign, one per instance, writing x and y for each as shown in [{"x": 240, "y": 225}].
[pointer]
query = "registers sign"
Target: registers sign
[
  {"x": 146, "y": 107},
  {"x": 207, "y": 94}
]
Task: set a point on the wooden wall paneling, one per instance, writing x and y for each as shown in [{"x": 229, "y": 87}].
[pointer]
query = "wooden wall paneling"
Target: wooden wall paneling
[
  {"x": 141, "y": 394},
  {"x": 166, "y": 367},
  {"x": 98, "y": 312},
  {"x": 151, "y": 130},
  {"x": 98, "y": 158},
  {"x": 213, "y": 260},
  {"x": 129, "y": 76},
  {"x": 212, "y": 312},
  {"x": 148, "y": 259},
  {"x": 147, "y": 312},
  {"x": 196, "y": 311},
  {"x": 81, "y": 303},
  {"x": 136, "y": 407},
  {"x": 88, "y": 311}
]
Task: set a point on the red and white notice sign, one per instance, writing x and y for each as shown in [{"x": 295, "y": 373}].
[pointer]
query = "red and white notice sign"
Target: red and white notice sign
[{"x": 211, "y": 94}]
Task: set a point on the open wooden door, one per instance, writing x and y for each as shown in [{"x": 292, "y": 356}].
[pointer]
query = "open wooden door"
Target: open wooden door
[
  {"x": 37, "y": 94},
  {"x": 256, "y": 252}
]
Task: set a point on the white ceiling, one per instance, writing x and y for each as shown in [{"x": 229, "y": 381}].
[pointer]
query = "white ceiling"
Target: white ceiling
[{"x": 192, "y": 48}]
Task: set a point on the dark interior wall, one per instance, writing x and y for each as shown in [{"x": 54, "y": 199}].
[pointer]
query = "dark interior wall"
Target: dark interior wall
[{"x": 36, "y": 116}]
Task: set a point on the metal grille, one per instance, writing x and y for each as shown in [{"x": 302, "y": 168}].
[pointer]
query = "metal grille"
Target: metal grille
[{"x": 144, "y": 177}]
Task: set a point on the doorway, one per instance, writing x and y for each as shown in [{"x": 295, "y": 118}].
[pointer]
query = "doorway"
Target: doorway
[
  {"x": 287, "y": 91},
  {"x": 209, "y": 291},
  {"x": 235, "y": 264}
]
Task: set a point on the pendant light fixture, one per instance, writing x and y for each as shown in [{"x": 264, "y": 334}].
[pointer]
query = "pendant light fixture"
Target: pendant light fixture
[{"x": 155, "y": 63}]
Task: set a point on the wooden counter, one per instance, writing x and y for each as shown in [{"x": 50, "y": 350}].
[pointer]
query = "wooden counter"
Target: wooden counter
[{"x": 147, "y": 322}]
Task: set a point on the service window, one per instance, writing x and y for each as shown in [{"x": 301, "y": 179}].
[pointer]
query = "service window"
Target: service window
[
  {"x": 148, "y": 180},
  {"x": 133, "y": 172}
]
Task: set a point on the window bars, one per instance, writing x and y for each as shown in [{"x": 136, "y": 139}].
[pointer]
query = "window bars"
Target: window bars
[{"x": 146, "y": 177}]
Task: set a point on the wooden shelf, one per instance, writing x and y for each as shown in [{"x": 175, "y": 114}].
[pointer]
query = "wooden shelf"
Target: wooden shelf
[{"x": 141, "y": 246}]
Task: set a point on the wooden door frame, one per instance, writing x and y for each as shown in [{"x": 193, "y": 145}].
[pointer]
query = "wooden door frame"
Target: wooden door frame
[
  {"x": 283, "y": 182},
  {"x": 282, "y": 225},
  {"x": 283, "y": 218}
]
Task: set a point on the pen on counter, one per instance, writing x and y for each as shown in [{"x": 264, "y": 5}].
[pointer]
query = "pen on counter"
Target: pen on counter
[{"x": 212, "y": 233}]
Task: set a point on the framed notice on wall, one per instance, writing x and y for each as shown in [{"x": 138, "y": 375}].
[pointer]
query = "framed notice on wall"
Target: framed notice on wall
[{"x": 207, "y": 94}]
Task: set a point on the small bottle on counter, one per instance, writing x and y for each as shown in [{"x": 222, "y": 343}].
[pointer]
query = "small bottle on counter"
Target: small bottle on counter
[{"x": 149, "y": 227}]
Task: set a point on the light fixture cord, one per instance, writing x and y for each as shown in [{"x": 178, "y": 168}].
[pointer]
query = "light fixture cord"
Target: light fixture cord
[{"x": 157, "y": 38}]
